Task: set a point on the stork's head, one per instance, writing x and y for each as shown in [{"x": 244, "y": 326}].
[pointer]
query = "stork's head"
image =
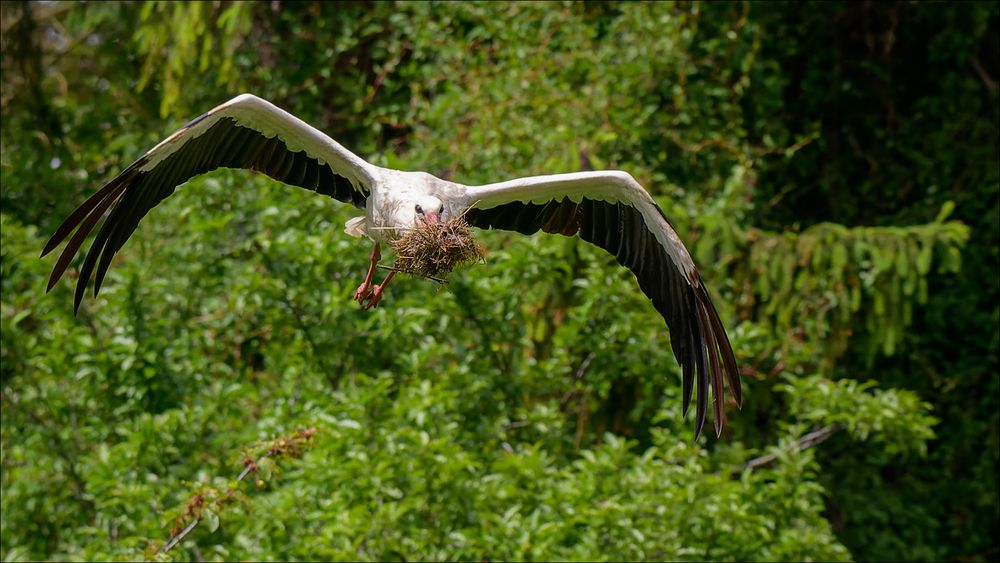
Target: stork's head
[{"x": 428, "y": 209}]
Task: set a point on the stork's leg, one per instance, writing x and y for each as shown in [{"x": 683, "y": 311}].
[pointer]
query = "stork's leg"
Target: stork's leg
[
  {"x": 376, "y": 292},
  {"x": 365, "y": 289}
]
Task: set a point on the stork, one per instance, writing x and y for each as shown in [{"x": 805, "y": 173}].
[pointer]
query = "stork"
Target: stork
[{"x": 606, "y": 208}]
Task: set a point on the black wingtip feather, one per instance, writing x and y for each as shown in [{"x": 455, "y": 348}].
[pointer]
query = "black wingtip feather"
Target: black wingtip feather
[
  {"x": 79, "y": 214},
  {"x": 702, "y": 365},
  {"x": 686, "y": 381},
  {"x": 687, "y": 368},
  {"x": 728, "y": 357},
  {"x": 715, "y": 365},
  {"x": 77, "y": 299},
  {"x": 73, "y": 246}
]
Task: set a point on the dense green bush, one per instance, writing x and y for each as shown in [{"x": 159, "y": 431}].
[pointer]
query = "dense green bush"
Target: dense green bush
[{"x": 837, "y": 184}]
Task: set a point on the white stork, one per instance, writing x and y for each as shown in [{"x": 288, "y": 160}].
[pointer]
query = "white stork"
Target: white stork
[{"x": 606, "y": 208}]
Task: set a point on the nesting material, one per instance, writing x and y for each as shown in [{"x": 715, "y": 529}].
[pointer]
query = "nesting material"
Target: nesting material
[{"x": 434, "y": 250}]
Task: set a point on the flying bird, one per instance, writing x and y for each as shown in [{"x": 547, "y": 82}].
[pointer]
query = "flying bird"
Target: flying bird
[{"x": 606, "y": 208}]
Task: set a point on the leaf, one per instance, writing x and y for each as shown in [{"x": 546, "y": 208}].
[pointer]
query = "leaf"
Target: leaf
[
  {"x": 946, "y": 210},
  {"x": 902, "y": 260},
  {"x": 855, "y": 297},
  {"x": 838, "y": 258},
  {"x": 211, "y": 519},
  {"x": 348, "y": 423},
  {"x": 924, "y": 257},
  {"x": 265, "y": 469},
  {"x": 882, "y": 256}
]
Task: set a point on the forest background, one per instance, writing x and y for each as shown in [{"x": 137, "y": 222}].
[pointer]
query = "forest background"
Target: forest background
[{"x": 832, "y": 166}]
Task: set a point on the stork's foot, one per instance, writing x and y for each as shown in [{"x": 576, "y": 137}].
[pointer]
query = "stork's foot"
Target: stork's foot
[
  {"x": 375, "y": 293},
  {"x": 364, "y": 291},
  {"x": 374, "y": 297}
]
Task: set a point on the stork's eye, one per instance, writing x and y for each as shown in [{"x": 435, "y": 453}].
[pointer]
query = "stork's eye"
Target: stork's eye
[
  {"x": 440, "y": 211},
  {"x": 420, "y": 210}
]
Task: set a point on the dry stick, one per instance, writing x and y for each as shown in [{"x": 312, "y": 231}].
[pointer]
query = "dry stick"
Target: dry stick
[
  {"x": 180, "y": 536},
  {"x": 397, "y": 270},
  {"x": 807, "y": 441},
  {"x": 279, "y": 447},
  {"x": 187, "y": 529}
]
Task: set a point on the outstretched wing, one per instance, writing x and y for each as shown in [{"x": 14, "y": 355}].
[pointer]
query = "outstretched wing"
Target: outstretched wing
[
  {"x": 245, "y": 132},
  {"x": 611, "y": 210}
]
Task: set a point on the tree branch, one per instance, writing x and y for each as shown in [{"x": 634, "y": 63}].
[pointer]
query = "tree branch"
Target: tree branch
[
  {"x": 991, "y": 84},
  {"x": 280, "y": 447},
  {"x": 807, "y": 441}
]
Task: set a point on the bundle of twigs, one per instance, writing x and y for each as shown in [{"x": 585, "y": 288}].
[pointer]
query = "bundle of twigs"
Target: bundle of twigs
[{"x": 433, "y": 250}]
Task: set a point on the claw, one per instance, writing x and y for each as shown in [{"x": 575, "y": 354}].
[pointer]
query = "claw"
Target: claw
[
  {"x": 364, "y": 292},
  {"x": 375, "y": 294},
  {"x": 374, "y": 298}
]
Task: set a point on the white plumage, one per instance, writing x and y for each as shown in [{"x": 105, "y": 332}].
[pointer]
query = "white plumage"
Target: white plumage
[{"x": 607, "y": 208}]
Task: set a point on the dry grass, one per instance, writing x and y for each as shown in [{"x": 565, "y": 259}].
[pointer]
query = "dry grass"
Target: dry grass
[{"x": 435, "y": 250}]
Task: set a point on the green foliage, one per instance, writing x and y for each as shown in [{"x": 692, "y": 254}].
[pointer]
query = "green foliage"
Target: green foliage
[
  {"x": 438, "y": 453},
  {"x": 836, "y": 183},
  {"x": 173, "y": 34},
  {"x": 829, "y": 280},
  {"x": 898, "y": 418}
]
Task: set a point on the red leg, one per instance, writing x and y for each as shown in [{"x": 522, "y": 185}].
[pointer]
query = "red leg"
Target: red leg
[
  {"x": 376, "y": 292},
  {"x": 365, "y": 289}
]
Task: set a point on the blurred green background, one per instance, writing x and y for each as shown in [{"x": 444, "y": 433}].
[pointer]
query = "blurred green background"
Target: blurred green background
[{"x": 833, "y": 168}]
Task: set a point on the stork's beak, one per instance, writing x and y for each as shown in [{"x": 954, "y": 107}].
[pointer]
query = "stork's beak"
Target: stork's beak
[{"x": 431, "y": 218}]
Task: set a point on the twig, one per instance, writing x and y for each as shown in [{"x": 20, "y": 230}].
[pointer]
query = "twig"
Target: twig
[
  {"x": 577, "y": 376},
  {"x": 279, "y": 447},
  {"x": 197, "y": 554},
  {"x": 197, "y": 519},
  {"x": 180, "y": 536},
  {"x": 582, "y": 368},
  {"x": 990, "y": 84},
  {"x": 441, "y": 281},
  {"x": 386, "y": 69},
  {"x": 516, "y": 424},
  {"x": 807, "y": 441}
]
